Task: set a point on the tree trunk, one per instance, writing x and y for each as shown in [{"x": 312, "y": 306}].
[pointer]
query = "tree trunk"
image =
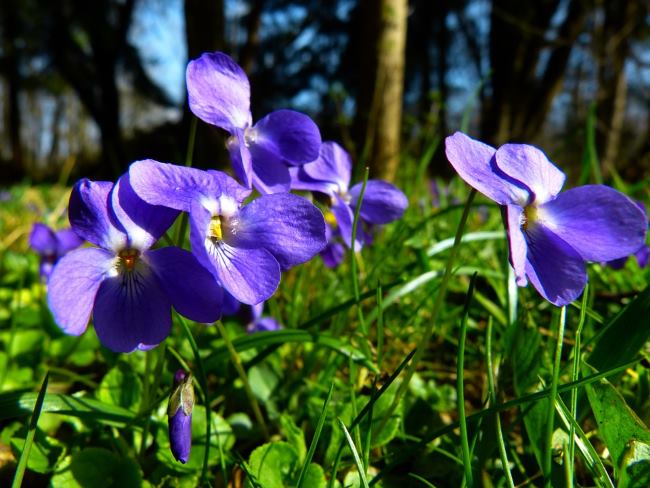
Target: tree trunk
[{"x": 385, "y": 120}]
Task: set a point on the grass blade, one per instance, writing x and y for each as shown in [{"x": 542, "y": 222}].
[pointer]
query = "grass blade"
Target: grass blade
[
  {"x": 29, "y": 439},
  {"x": 314, "y": 441},
  {"x": 355, "y": 454}
]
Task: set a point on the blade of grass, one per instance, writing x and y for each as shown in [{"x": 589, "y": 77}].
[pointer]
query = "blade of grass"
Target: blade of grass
[
  {"x": 591, "y": 457},
  {"x": 355, "y": 454},
  {"x": 550, "y": 417},
  {"x": 314, "y": 441},
  {"x": 380, "y": 327},
  {"x": 29, "y": 439},
  {"x": 493, "y": 396},
  {"x": 460, "y": 387},
  {"x": 408, "y": 452}
]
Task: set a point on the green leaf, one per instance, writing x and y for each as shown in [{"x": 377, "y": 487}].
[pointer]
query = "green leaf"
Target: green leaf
[
  {"x": 20, "y": 403},
  {"x": 618, "y": 426},
  {"x": 121, "y": 387},
  {"x": 273, "y": 464},
  {"x": 98, "y": 468},
  {"x": 623, "y": 336},
  {"x": 294, "y": 436},
  {"x": 636, "y": 464}
]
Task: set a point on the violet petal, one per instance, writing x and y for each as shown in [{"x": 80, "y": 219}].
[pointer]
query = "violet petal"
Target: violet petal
[
  {"x": 180, "y": 435},
  {"x": 600, "y": 223},
  {"x": 132, "y": 310},
  {"x": 43, "y": 240},
  {"x": 290, "y": 135},
  {"x": 73, "y": 284},
  {"x": 531, "y": 167},
  {"x": 473, "y": 161},
  {"x": 291, "y": 228},
  {"x": 193, "y": 290},
  {"x": 554, "y": 268},
  {"x": 382, "y": 202},
  {"x": 333, "y": 166},
  {"x": 516, "y": 242},
  {"x": 218, "y": 91},
  {"x": 90, "y": 217}
]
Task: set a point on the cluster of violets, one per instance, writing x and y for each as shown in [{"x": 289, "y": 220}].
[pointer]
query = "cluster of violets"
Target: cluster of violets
[
  {"x": 238, "y": 249},
  {"x": 551, "y": 235}
]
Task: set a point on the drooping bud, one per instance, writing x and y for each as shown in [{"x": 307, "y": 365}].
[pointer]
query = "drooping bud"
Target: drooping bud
[{"x": 179, "y": 412}]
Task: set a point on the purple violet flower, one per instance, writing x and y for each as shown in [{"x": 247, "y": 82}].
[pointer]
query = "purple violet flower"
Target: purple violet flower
[
  {"x": 334, "y": 252},
  {"x": 219, "y": 94},
  {"x": 51, "y": 246},
  {"x": 245, "y": 247},
  {"x": 179, "y": 416},
  {"x": 129, "y": 288},
  {"x": 551, "y": 234},
  {"x": 642, "y": 254},
  {"x": 330, "y": 174}
]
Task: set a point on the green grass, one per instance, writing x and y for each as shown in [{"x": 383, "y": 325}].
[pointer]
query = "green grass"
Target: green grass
[{"x": 371, "y": 383}]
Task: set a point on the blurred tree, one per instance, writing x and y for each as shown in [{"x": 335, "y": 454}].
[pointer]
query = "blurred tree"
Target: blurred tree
[{"x": 528, "y": 64}]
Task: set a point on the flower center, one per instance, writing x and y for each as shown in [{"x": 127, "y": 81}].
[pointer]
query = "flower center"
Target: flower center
[
  {"x": 330, "y": 219},
  {"x": 529, "y": 217},
  {"x": 250, "y": 136},
  {"x": 128, "y": 258},
  {"x": 215, "y": 230}
]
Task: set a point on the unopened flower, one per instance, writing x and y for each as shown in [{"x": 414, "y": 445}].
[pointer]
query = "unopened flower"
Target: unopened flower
[
  {"x": 128, "y": 287},
  {"x": 179, "y": 416},
  {"x": 330, "y": 174},
  {"x": 51, "y": 246},
  {"x": 245, "y": 247},
  {"x": 219, "y": 94},
  {"x": 551, "y": 234}
]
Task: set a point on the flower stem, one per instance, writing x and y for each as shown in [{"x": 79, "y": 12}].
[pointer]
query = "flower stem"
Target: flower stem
[
  {"x": 242, "y": 375},
  {"x": 550, "y": 417}
]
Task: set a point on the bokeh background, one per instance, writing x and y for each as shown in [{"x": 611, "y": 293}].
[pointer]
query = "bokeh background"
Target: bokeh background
[{"x": 89, "y": 86}]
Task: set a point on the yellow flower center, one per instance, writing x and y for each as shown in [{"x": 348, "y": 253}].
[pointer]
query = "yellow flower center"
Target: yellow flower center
[
  {"x": 530, "y": 216},
  {"x": 330, "y": 218},
  {"x": 215, "y": 232}
]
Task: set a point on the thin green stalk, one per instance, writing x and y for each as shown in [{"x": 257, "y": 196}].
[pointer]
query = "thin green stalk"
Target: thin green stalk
[
  {"x": 574, "y": 377},
  {"x": 314, "y": 441},
  {"x": 31, "y": 432},
  {"x": 437, "y": 307},
  {"x": 380, "y": 327},
  {"x": 353, "y": 265},
  {"x": 493, "y": 396},
  {"x": 242, "y": 375},
  {"x": 203, "y": 380},
  {"x": 550, "y": 416},
  {"x": 144, "y": 403},
  {"x": 460, "y": 387},
  {"x": 189, "y": 155}
]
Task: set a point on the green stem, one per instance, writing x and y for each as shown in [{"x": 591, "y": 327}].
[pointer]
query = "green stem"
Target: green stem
[
  {"x": 574, "y": 377},
  {"x": 354, "y": 265},
  {"x": 492, "y": 389},
  {"x": 460, "y": 388},
  {"x": 242, "y": 375},
  {"x": 550, "y": 416}
]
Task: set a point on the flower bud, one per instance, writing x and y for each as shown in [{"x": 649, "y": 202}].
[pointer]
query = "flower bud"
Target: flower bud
[{"x": 179, "y": 412}]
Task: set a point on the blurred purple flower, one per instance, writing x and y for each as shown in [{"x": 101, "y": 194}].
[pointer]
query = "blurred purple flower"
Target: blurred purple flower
[
  {"x": 330, "y": 174},
  {"x": 334, "y": 252},
  {"x": 551, "y": 234},
  {"x": 51, "y": 246},
  {"x": 251, "y": 315},
  {"x": 179, "y": 416},
  {"x": 129, "y": 288},
  {"x": 246, "y": 247},
  {"x": 219, "y": 94}
]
